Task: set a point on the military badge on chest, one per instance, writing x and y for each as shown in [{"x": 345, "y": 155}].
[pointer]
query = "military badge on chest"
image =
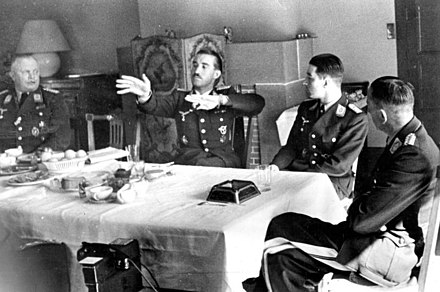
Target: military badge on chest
[
  {"x": 7, "y": 100},
  {"x": 223, "y": 131},
  {"x": 184, "y": 140},
  {"x": 2, "y": 110},
  {"x": 304, "y": 123},
  {"x": 35, "y": 131},
  {"x": 183, "y": 114}
]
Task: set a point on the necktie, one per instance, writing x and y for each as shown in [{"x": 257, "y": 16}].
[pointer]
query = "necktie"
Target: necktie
[{"x": 24, "y": 95}]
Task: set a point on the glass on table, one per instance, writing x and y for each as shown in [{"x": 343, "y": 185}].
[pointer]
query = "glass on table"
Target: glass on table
[
  {"x": 139, "y": 168},
  {"x": 264, "y": 177},
  {"x": 133, "y": 152}
]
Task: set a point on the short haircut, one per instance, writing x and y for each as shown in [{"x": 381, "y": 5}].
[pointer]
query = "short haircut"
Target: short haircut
[
  {"x": 207, "y": 51},
  {"x": 328, "y": 64},
  {"x": 390, "y": 90},
  {"x": 15, "y": 58}
]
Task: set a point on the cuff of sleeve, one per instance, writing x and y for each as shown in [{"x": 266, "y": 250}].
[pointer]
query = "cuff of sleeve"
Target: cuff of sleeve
[
  {"x": 144, "y": 99},
  {"x": 224, "y": 100}
]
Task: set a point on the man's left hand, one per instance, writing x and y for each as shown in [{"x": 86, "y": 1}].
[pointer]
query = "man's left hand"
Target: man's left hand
[{"x": 204, "y": 102}]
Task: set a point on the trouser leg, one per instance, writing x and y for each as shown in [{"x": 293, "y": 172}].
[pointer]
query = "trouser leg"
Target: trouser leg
[{"x": 293, "y": 269}]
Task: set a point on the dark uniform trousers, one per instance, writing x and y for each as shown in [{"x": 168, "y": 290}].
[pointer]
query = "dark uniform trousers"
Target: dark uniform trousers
[
  {"x": 382, "y": 238},
  {"x": 328, "y": 143},
  {"x": 42, "y": 120},
  {"x": 205, "y": 137}
]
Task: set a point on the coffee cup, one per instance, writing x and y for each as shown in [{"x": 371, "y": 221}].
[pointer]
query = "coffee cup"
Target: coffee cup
[
  {"x": 99, "y": 193},
  {"x": 71, "y": 182}
]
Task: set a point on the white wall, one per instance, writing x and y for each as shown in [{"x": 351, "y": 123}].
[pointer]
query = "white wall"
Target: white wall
[
  {"x": 354, "y": 30},
  {"x": 251, "y": 20}
]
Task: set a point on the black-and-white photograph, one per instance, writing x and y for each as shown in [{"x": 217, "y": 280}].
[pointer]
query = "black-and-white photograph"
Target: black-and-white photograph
[{"x": 219, "y": 145}]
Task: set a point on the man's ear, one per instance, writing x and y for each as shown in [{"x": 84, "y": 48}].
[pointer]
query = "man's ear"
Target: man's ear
[
  {"x": 326, "y": 79},
  {"x": 383, "y": 113},
  {"x": 217, "y": 74}
]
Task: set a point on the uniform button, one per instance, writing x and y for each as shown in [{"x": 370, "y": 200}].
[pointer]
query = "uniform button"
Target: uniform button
[
  {"x": 202, "y": 120},
  {"x": 42, "y": 138},
  {"x": 20, "y": 128},
  {"x": 313, "y": 162},
  {"x": 314, "y": 146},
  {"x": 374, "y": 181},
  {"x": 313, "y": 136},
  {"x": 203, "y": 131},
  {"x": 206, "y": 150},
  {"x": 221, "y": 119},
  {"x": 333, "y": 140},
  {"x": 41, "y": 114},
  {"x": 204, "y": 142},
  {"x": 315, "y": 154},
  {"x": 302, "y": 129},
  {"x": 19, "y": 138}
]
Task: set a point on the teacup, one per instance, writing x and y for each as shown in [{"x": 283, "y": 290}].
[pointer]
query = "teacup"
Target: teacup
[
  {"x": 14, "y": 152},
  {"x": 126, "y": 194},
  {"x": 6, "y": 161},
  {"x": 71, "y": 182},
  {"x": 99, "y": 193}
]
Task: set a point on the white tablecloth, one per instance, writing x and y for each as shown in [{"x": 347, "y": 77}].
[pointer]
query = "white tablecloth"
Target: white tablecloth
[{"x": 186, "y": 245}]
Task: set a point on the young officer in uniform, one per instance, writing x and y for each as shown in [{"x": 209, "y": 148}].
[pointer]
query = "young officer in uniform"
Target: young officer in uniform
[
  {"x": 382, "y": 238},
  {"x": 329, "y": 132},
  {"x": 31, "y": 116},
  {"x": 204, "y": 116}
]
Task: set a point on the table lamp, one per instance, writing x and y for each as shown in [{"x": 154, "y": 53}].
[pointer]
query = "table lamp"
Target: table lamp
[{"x": 43, "y": 39}]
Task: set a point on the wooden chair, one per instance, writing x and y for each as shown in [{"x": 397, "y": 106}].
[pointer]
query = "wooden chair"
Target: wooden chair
[
  {"x": 429, "y": 269},
  {"x": 116, "y": 130}
]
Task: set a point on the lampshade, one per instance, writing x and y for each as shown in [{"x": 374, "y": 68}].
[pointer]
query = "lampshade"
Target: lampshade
[{"x": 43, "y": 39}]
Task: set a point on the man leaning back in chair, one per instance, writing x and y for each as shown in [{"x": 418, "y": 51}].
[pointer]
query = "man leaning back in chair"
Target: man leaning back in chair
[{"x": 204, "y": 116}]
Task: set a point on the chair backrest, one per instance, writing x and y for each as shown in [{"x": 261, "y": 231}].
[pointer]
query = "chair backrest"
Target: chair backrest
[
  {"x": 242, "y": 139},
  {"x": 116, "y": 130},
  {"x": 431, "y": 256}
]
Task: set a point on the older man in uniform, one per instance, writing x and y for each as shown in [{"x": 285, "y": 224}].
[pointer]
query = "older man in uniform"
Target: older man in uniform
[
  {"x": 329, "y": 132},
  {"x": 204, "y": 116},
  {"x": 382, "y": 238},
  {"x": 31, "y": 116}
]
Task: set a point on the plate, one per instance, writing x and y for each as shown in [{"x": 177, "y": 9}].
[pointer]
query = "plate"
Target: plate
[
  {"x": 108, "y": 200},
  {"x": 17, "y": 169},
  {"x": 30, "y": 178}
]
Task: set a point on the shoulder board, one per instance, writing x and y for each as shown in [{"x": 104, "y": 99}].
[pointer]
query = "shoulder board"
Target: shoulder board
[
  {"x": 354, "y": 108},
  {"x": 51, "y": 90},
  {"x": 410, "y": 139},
  {"x": 4, "y": 91},
  {"x": 223, "y": 87},
  {"x": 182, "y": 90}
]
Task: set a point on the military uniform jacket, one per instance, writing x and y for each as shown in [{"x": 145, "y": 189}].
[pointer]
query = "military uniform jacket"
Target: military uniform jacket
[
  {"x": 41, "y": 121},
  {"x": 402, "y": 181},
  {"x": 329, "y": 143},
  {"x": 382, "y": 237},
  {"x": 202, "y": 132}
]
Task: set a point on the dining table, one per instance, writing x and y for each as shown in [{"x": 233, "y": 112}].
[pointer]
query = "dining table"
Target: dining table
[{"x": 187, "y": 242}]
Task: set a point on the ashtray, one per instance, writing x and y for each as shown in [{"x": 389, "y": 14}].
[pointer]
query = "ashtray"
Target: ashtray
[{"x": 233, "y": 191}]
